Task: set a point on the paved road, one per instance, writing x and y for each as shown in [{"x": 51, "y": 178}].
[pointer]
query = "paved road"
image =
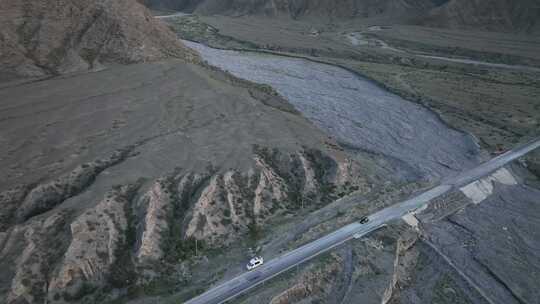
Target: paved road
[
  {"x": 179, "y": 14},
  {"x": 484, "y": 63},
  {"x": 248, "y": 280}
]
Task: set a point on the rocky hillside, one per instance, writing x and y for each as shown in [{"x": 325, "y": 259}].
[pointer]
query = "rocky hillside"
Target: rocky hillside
[
  {"x": 53, "y": 37},
  {"x": 494, "y": 15},
  {"x": 137, "y": 228}
]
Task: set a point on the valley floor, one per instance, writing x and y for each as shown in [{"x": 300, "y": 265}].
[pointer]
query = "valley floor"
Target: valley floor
[{"x": 472, "y": 97}]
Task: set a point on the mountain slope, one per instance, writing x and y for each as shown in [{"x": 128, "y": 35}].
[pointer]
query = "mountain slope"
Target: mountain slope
[
  {"x": 53, "y": 37},
  {"x": 179, "y": 5},
  {"x": 494, "y": 15},
  {"x": 491, "y": 15},
  {"x": 297, "y": 8},
  {"x": 339, "y": 8}
]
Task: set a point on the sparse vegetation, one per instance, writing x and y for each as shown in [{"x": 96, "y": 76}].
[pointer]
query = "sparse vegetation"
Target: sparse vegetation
[
  {"x": 85, "y": 289},
  {"x": 255, "y": 233},
  {"x": 447, "y": 292},
  {"x": 194, "y": 115},
  {"x": 176, "y": 247},
  {"x": 192, "y": 28},
  {"x": 122, "y": 272}
]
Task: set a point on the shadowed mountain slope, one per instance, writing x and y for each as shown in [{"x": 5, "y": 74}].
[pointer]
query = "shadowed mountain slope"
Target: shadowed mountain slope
[{"x": 492, "y": 15}]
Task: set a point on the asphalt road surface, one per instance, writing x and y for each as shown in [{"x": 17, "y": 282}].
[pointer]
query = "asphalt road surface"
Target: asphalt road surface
[
  {"x": 179, "y": 14},
  {"x": 483, "y": 63},
  {"x": 242, "y": 283}
]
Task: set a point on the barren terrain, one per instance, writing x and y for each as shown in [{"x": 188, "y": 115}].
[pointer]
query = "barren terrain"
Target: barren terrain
[
  {"x": 170, "y": 152},
  {"x": 150, "y": 182}
]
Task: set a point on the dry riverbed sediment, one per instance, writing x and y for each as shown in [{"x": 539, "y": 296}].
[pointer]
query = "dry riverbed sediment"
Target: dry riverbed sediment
[{"x": 355, "y": 111}]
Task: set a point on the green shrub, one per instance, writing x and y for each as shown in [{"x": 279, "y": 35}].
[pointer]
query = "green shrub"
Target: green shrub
[{"x": 226, "y": 221}]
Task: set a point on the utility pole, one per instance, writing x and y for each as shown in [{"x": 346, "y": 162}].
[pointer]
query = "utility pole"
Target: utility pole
[{"x": 196, "y": 249}]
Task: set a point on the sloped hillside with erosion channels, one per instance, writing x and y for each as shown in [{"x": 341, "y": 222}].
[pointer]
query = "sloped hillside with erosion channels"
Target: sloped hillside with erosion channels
[
  {"x": 108, "y": 185},
  {"x": 51, "y": 37},
  {"x": 153, "y": 181}
]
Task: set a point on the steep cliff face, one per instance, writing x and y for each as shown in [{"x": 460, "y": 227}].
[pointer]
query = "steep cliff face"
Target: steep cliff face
[
  {"x": 495, "y": 15},
  {"x": 52, "y": 37}
]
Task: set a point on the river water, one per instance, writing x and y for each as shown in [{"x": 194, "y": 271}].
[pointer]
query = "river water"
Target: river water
[{"x": 355, "y": 110}]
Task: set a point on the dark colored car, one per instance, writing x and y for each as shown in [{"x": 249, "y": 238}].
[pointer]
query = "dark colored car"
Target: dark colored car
[{"x": 364, "y": 220}]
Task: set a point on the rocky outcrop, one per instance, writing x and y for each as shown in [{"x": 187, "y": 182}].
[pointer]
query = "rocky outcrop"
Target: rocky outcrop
[
  {"x": 140, "y": 229},
  {"x": 233, "y": 201},
  {"x": 405, "y": 260},
  {"x": 97, "y": 237},
  {"x": 314, "y": 283},
  {"x": 218, "y": 207},
  {"x": 58, "y": 257},
  {"x": 44, "y": 243},
  {"x": 52, "y": 37},
  {"x": 157, "y": 205}
]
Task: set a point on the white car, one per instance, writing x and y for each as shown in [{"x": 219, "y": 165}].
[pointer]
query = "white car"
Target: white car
[{"x": 254, "y": 263}]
